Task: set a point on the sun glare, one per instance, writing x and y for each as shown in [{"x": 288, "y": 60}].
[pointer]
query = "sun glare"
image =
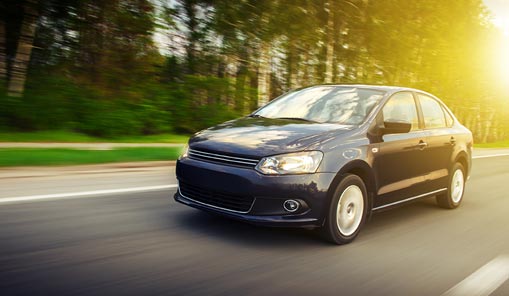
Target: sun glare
[
  {"x": 502, "y": 62},
  {"x": 503, "y": 24},
  {"x": 501, "y": 53},
  {"x": 504, "y": 55}
]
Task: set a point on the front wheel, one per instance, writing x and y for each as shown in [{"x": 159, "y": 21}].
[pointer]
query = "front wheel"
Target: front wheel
[
  {"x": 452, "y": 198},
  {"x": 347, "y": 211}
]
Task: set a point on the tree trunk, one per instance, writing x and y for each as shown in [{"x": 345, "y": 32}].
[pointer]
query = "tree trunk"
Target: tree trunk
[
  {"x": 329, "y": 61},
  {"x": 291, "y": 67},
  {"x": 240, "y": 85},
  {"x": 477, "y": 126},
  {"x": 3, "y": 58},
  {"x": 192, "y": 36},
  {"x": 264, "y": 74},
  {"x": 488, "y": 126},
  {"x": 304, "y": 75},
  {"x": 20, "y": 65}
]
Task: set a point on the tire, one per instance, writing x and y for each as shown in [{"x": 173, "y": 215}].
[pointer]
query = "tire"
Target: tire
[
  {"x": 452, "y": 198},
  {"x": 349, "y": 203}
]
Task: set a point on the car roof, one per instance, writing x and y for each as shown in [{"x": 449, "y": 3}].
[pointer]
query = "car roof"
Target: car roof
[{"x": 385, "y": 88}]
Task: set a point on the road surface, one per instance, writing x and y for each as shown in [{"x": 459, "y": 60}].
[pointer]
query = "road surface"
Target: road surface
[{"x": 143, "y": 243}]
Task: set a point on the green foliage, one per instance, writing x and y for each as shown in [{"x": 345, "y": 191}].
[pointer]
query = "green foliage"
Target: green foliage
[
  {"x": 59, "y": 136},
  {"x": 499, "y": 144},
  {"x": 95, "y": 68},
  {"x": 63, "y": 136},
  {"x": 109, "y": 119},
  {"x": 200, "y": 102},
  {"x": 49, "y": 102},
  {"x": 52, "y": 102}
]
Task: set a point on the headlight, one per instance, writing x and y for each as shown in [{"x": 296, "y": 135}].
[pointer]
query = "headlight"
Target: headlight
[
  {"x": 184, "y": 152},
  {"x": 293, "y": 163}
]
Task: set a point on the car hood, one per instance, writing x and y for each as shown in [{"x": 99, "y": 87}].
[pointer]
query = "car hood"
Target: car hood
[{"x": 259, "y": 137}]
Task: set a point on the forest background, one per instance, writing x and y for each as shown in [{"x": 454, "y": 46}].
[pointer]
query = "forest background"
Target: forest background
[{"x": 137, "y": 67}]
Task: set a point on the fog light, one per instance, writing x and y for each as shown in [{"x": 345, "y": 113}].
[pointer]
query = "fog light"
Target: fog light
[{"x": 291, "y": 205}]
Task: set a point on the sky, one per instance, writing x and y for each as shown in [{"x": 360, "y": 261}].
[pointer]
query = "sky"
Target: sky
[{"x": 500, "y": 11}]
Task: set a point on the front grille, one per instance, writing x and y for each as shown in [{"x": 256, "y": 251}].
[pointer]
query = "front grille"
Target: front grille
[
  {"x": 222, "y": 200},
  {"x": 223, "y": 159}
]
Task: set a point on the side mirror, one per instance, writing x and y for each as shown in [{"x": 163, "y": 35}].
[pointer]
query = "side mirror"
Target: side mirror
[{"x": 395, "y": 127}]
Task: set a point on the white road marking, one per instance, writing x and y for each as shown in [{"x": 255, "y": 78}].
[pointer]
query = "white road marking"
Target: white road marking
[
  {"x": 492, "y": 155},
  {"x": 10, "y": 200},
  {"x": 484, "y": 281},
  {"x": 83, "y": 194}
]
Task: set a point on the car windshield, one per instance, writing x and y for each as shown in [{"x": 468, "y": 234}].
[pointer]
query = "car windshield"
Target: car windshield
[{"x": 327, "y": 103}]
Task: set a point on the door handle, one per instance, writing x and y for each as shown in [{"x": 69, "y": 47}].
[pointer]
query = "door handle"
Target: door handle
[
  {"x": 422, "y": 144},
  {"x": 452, "y": 141}
]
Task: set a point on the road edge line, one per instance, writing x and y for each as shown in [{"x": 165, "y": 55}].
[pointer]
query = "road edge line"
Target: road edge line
[
  {"x": 488, "y": 156},
  {"x": 33, "y": 198}
]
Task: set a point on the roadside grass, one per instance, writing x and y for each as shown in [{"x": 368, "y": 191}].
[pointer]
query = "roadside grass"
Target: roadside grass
[
  {"x": 57, "y": 156},
  {"x": 500, "y": 144},
  {"x": 70, "y": 137}
]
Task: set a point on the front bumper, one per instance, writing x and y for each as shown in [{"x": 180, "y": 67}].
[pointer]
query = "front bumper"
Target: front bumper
[{"x": 268, "y": 193}]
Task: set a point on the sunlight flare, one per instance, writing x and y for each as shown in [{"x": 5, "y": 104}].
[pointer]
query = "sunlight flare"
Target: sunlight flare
[{"x": 502, "y": 59}]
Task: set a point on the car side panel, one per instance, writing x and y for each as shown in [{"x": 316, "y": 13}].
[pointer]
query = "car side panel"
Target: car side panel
[
  {"x": 400, "y": 167},
  {"x": 439, "y": 153}
]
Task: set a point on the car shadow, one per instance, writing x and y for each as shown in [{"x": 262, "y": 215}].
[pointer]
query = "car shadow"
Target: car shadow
[
  {"x": 224, "y": 229},
  {"x": 399, "y": 214}
]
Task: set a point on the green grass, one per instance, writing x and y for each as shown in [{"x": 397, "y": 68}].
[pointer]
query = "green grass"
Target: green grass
[
  {"x": 500, "y": 144},
  {"x": 69, "y": 137},
  {"x": 43, "y": 157}
]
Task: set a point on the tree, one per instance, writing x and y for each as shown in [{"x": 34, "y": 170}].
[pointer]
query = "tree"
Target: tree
[
  {"x": 14, "y": 71},
  {"x": 234, "y": 56},
  {"x": 3, "y": 54}
]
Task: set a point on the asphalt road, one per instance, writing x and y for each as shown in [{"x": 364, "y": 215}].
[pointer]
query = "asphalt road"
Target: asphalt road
[{"x": 143, "y": 243}]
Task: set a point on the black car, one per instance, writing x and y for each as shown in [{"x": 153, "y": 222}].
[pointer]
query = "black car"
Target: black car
[{"x": 326, "y": 157}]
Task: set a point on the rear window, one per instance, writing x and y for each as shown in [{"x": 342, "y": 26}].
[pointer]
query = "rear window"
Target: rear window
[{"x": 432, "y": 111}]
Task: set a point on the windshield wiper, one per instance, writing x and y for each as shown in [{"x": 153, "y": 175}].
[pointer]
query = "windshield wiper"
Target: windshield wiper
[{"x": 296, "y": 118}]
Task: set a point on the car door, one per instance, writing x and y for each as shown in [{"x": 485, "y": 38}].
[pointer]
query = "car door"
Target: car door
[
  {"x": 440, "y": 142},
  {"x": 399, "y": 165}
]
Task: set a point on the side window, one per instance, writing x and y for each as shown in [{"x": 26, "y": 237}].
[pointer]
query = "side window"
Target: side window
[
  {"x": 448, "y": 118},
  {"x": 401, "y": 107},
  {"x": 432, "y": 112}
]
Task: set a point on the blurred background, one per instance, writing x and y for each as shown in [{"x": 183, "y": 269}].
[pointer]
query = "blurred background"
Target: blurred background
[
  {"x": 119, "y": 81},
  {"x": 145, "y": 67}
]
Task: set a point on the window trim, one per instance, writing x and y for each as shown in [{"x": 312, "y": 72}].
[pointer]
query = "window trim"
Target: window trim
[
  {"x": 449, "y": 113},
  {"x": 420, "y": 126},
  {"x": 440, "y": 104}
]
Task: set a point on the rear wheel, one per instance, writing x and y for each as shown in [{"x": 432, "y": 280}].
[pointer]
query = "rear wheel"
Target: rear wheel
[
  {"x": 347, "y": 212},
  {"x": 452, "y": 198}
]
